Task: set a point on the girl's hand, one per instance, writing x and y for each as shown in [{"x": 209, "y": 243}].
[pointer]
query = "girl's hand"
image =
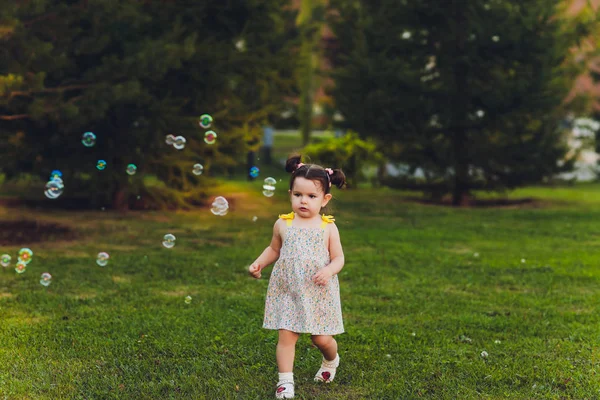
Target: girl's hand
[
  {"x": 254, "y": 270},
  {"x": 322, "y": 277}
]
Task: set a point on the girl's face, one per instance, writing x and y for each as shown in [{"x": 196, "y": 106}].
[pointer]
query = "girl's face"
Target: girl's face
[{"x": 308, "y": 197}]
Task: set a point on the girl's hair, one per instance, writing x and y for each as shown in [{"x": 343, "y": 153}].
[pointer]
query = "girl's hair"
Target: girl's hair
[{"x": 314, "y": 172}]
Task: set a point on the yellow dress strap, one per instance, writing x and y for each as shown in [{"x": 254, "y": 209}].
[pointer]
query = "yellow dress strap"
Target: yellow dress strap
[
  {"x": 288, "y": 218},
  {"x": 327, "y": 219}
]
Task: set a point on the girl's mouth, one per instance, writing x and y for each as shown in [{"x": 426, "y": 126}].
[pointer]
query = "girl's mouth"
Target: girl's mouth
[{"x": 303, "y": 209}]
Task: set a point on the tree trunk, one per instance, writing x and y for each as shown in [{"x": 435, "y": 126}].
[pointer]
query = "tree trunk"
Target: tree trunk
[
  {"x": 119, "y": 199},
  {"x": 460, "y": 190}
]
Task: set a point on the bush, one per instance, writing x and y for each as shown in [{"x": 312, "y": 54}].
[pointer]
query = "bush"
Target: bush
[{"x": 349, "y": 152}]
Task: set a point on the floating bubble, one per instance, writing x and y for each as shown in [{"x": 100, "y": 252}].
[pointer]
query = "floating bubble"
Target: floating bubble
[
  {"x": 170, "y": 139},
  {"x": 20, "y": 267},
  {"x": 220, "y": 206},
  {"x": 102, "y": 259},
  {"x": 254, "y": 218},
  {"x": 5, "y": 260},
  {"x": 58, "y": 180},
  {"x": 101, "y": 164},
  {"x": 55, "y": 174},
  {"x": 188, "y": 299},
  {"x": 179, "y": 142},
  {"x": 198, "y": 169},
  {"x": 54, "y": 188},
  {"x": 210, "y": 137},
  {"x": 169, "y": 240},
  {"x": 205, "y": 121},
  {"x": 254, "y": 171},
  {"x": 131, "y": 169},
  {"x": 88, "y": 139},
  {"x": 25, "y": 255},
  {"x": 46, "y": 279},
  {"x": 269, "y": 187}
]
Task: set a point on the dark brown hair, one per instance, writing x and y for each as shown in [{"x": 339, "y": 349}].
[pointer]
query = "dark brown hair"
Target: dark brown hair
[{"x": 314, "y": 172}]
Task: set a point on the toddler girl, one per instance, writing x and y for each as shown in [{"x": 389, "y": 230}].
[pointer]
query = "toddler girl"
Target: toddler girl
[{"x": 304, "y": 292}]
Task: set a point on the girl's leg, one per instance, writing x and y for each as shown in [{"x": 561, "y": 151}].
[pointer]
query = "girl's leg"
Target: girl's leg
[
  {"x": 286, "y": 350},
  {"x": 331, "y": 360},
  {"x": 327, "y": 345}
]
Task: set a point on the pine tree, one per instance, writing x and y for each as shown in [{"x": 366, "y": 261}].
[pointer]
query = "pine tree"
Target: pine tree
[
  {"x": 133, "y": 72},
  {"x": 470, "y": 91}
]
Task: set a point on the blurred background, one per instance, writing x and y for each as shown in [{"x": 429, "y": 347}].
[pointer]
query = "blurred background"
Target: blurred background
[
  {"x": 468, "y": 131},
  {"x": 444, "y": 100}
]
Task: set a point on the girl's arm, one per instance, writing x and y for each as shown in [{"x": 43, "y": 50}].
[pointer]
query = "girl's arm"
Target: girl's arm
[
  {"x": 335, "y": 251},
  {"x": 271, "y": 253}
]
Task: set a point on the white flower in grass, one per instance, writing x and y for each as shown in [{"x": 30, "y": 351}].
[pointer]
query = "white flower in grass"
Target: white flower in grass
[
  {"x": 414, "y": 334},
  {"x": 475, "y": 255},
  {"x": 388, "y": 355},
  {"x": 523, "y": 261},
  {"x": 497, "y": 341},
  {"x": 484, "y": 354}
]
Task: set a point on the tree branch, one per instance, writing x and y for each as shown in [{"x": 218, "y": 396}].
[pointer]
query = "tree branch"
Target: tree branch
[
  {"x": 14, "y": 117},
  {"x": 28, "y": 93}
]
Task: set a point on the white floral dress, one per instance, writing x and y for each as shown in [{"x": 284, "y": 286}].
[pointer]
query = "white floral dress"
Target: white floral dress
[{"x": 294, "y": 302}]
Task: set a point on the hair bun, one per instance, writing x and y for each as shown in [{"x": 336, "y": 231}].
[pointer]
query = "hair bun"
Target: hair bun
[
  {"x": 292, "y": 163},
  {"x": 338, "y": 178}
]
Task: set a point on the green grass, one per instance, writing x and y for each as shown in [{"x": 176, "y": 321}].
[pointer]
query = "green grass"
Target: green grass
[{"x": 419, "y": 307}]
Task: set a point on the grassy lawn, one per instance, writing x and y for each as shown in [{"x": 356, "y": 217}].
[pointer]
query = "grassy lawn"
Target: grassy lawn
[{"x": 425, "y": 291}]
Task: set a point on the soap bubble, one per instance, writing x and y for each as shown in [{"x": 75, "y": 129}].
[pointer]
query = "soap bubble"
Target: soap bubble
[
  {"x": 131, "y": 169},
  {"x": 25, "y": 255},
  {"x": 254, "y": 172},
  {"x": 179, "y": 142},
  {"x": 269, "y": 187},
  {"x": 220, "y": 206},
  {"x": 188, "y": 299},
  {"x": 198, "y": 169},
  {"x": 54, "y": 188},
  {"x": 170, "y": 139},
  {"x": 5, "y": 260},
  {"x": 102, "y": 259},
  {"x": 46, "y": 279},
  {"x": 20, "y": 267},
  {"x": 205, "y": 121},
  {"x": 101, "y": 164},
  {"x": 169, "y": 240},
  {"x": 210, "y": 137},
  {"x": 88, "y": 139},
  {"x": 55, "y": 174}
]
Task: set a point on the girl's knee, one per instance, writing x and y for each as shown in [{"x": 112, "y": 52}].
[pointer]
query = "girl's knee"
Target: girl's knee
[
  {"x": 288, "y": 337},
  {"x": 322, "y": 340}
]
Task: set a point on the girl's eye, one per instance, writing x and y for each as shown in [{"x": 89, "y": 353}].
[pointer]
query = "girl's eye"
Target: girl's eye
[
  {"x": 312, "y": 196},
  {"x": 297, "y": 194}
]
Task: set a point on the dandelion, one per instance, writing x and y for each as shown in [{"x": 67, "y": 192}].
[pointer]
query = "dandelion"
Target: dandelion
[{"x": 484, "y": 354}]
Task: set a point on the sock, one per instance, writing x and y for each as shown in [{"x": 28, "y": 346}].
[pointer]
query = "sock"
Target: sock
[{"x": 286, "y": 376}]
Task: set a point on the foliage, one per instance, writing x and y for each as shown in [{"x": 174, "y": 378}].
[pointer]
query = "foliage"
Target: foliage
[
  {"x": 133, "y": 72},
  {"x": 466, "y": 90},
  {"x": 349, "y": 152}
]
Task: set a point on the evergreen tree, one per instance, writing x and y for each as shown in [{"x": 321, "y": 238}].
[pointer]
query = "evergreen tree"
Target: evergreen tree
[
  {"x": 470, "y": 91},
  {"x": 133, "y": 72}
]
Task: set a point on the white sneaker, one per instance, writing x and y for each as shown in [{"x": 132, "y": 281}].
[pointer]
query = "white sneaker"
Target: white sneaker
[
  {"x": 285, "y": 390},
  {"x": 327, "y": 371}
]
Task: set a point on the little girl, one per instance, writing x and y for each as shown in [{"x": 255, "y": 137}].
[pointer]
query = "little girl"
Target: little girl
[{"x": 304, "y": 292}]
